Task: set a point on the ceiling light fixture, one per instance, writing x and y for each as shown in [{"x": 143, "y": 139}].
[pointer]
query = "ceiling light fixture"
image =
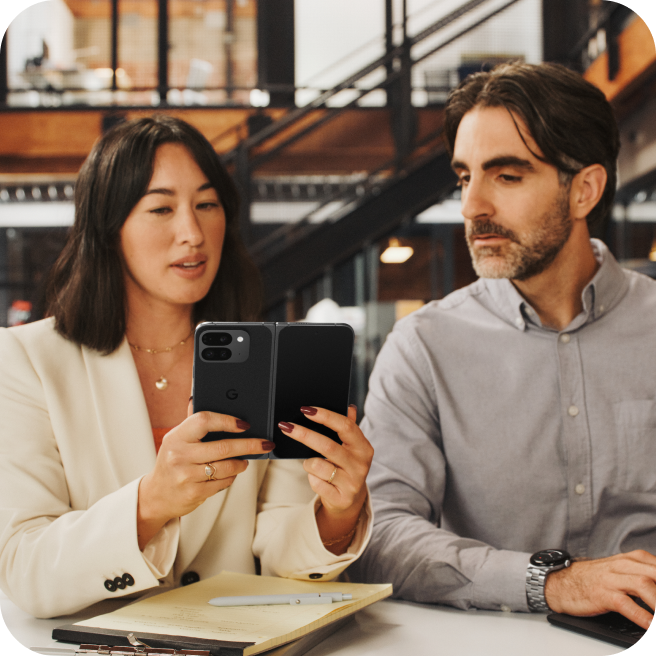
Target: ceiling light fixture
[
  {"x": 652, "y": 252},
  {"x": 395, "y": 253}
]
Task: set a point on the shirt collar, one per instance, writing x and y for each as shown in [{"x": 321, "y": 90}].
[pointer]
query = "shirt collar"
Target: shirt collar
[{"x": 599, "y": 296}]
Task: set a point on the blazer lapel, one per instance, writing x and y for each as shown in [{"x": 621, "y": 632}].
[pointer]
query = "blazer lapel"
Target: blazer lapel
[{"x": 123, "y": 419}]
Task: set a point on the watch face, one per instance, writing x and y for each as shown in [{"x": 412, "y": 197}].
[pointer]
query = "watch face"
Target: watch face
[{"x": 549, "y": 558}]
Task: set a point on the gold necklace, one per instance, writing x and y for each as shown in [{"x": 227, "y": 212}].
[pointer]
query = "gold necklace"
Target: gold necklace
[
  {"x": 164, "y": 350},
  {"x": 162, "y": 382}
]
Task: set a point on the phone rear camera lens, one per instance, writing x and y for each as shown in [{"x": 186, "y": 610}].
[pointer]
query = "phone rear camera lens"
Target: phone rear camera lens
[
  {"x": 217, "y": 354},
  {"x": 216, "y": 339}
]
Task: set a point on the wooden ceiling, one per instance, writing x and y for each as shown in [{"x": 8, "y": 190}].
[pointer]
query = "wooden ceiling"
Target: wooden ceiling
[
  {"x": 637, "y": 55},
  {"x": 357, "y": 140}
]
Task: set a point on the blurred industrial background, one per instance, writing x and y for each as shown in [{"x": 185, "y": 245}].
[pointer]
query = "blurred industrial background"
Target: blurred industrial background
[{"x": 328, "y": 114}]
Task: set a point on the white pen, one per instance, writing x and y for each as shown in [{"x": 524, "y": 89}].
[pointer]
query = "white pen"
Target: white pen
[{"x": 282, "y": 600}]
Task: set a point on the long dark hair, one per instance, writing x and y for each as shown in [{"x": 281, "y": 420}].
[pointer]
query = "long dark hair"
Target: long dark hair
[
  {"x": 570, "y": 119},
  {"x": 86, "y": 292}
]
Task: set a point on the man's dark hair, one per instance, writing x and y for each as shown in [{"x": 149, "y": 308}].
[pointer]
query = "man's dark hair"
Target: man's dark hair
[
  {"x": 570, "y": 119},
  {"x": 86, "y": 291}
]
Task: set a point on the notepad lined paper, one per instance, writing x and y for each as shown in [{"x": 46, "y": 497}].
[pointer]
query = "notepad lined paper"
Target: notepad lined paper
[{"x": 186, "y": 612}]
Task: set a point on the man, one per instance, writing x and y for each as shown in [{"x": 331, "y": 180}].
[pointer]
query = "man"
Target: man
[{"x": 518, "y": 414}]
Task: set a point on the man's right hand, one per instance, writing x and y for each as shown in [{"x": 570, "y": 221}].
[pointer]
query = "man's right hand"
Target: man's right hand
[{"x": 592, "y": 587}]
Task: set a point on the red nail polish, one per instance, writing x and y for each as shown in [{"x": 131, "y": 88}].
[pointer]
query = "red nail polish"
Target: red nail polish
[
  {"x": 285, "y": 426},
  {"x": 307, "y": 410},
  {"x": 244, "y": 425},
  {"x": 268, "y": 446}
]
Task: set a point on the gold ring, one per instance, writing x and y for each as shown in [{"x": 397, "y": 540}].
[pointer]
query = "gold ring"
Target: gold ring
[
  {"x": 330, "y": 480},
  {"x": 210, "y": 470}
]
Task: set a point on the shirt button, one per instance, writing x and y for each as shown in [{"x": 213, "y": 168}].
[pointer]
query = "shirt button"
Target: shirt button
[
  {"x": 119, "y": 583},
  {"x": 110, "y": 585},
  {"x": 565, "y": 338},
  {"x": 601, "y": 308},
  {"x": 572, "y": 411},
  {"x": 519, "y": 321},
  {"x": 316, "y": 576},
  {"x": 579, "y": 489},
  {"x": 505, "y": 609}
]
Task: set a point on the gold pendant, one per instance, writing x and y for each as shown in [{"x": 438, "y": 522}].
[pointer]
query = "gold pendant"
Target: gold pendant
[{"x": 162, "y": 383}]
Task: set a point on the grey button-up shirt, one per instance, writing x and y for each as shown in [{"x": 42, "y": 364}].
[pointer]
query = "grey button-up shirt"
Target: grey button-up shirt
[{"x": 496, "y": 437}]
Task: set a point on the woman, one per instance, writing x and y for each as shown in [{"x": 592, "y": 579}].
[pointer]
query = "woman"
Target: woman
[{"x": 105, "y": 487}]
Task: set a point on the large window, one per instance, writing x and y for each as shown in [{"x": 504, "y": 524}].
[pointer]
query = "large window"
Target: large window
[{"x": 105, "y": 52}]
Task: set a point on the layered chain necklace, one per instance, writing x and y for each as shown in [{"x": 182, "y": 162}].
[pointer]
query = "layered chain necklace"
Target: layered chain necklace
[{"x": 162, "y": 382}]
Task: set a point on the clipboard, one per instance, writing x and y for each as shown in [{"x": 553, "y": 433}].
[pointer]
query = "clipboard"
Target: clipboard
[
  {"x": 175, "y": 646},
  {"x": 182, "y": 619}
]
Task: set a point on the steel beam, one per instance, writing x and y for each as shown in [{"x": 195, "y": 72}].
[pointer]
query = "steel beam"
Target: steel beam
[{"x": 331, "y": 243}]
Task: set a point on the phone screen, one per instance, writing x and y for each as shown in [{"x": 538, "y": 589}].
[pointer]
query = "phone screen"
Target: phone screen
[{"x": 313, "y": 369}]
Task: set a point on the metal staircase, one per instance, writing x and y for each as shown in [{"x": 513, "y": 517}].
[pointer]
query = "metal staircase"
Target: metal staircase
[{"x": 417, "y": 176}]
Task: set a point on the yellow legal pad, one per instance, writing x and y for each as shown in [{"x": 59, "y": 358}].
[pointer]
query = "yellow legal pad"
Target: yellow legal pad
[{"x": 185, "y": 613}]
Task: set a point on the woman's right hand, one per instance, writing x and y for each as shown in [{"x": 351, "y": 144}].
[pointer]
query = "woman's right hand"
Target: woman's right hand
[{"x": 178, "y": 484}]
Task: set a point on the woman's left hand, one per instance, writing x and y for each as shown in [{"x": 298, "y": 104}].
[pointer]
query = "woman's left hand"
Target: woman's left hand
[{"x": 339, "y": 480}]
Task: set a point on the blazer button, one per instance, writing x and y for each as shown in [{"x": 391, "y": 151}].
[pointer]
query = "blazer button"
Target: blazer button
[
  {"x": 119, "y": 583},
  {"x": 189, "y": 577},
  {"x": 110, "y": 585},
  {"x": 316, "y": 576},
  {"x": 128, "y": 579}
]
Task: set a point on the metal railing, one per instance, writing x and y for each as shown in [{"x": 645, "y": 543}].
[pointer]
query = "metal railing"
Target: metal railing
[
  {"x": 301, "y": 122},
  {"x": 608, "y": 19}
]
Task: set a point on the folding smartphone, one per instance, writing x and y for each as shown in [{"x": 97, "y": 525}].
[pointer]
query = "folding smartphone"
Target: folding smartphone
[{"x": 264, "y": 372}]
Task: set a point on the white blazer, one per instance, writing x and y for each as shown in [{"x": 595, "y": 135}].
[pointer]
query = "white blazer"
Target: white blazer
[{"x": 75, "y": 439}]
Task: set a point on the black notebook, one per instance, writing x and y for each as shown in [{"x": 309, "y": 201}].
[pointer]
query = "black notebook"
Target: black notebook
[{"x": 611, "y": 627}]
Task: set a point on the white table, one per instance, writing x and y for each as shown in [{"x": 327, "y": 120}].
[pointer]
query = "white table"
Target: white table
[{"x": 390, "y": 628}]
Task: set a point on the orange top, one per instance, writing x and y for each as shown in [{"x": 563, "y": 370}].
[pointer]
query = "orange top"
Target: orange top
[{"x": 158, "y": 435}]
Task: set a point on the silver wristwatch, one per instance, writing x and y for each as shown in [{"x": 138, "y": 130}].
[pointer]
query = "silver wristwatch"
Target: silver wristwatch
[{"x": 542, "y": 564}]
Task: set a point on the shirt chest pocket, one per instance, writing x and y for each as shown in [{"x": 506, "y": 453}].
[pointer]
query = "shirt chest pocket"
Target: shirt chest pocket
[{"x": 636, "y": 442}]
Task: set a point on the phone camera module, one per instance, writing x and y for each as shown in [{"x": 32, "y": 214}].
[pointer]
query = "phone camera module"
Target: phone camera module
[
  {"x": 217, "y": 339},
  {"x": 217, "y": 354}
]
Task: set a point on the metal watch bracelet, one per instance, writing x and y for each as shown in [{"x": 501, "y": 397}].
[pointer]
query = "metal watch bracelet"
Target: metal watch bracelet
[{"x": 535, "y": 580}]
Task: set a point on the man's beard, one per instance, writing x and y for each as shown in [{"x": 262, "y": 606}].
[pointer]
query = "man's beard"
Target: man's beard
[{"x": 523, "y": 257}]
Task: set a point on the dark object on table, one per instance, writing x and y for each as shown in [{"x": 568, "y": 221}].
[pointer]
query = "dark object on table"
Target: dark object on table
[{"x": 611, "y": 627}]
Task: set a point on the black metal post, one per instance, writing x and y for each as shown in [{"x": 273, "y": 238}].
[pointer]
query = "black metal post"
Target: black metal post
[
  {"x": 243, "y": 175},
  {"x": 389, "y": 36},
  {"x": 4, "y": 78},
  {"x": 114, "y": 44},
  {"x": 275, "y": 50},
  {"x": 229, "y": 37},
  {"x": 613, "y": 31},
  {"x": 163, "y": 50},
  {"x": 403, "y": 115},
  {"x": 564, "y": 23}
]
